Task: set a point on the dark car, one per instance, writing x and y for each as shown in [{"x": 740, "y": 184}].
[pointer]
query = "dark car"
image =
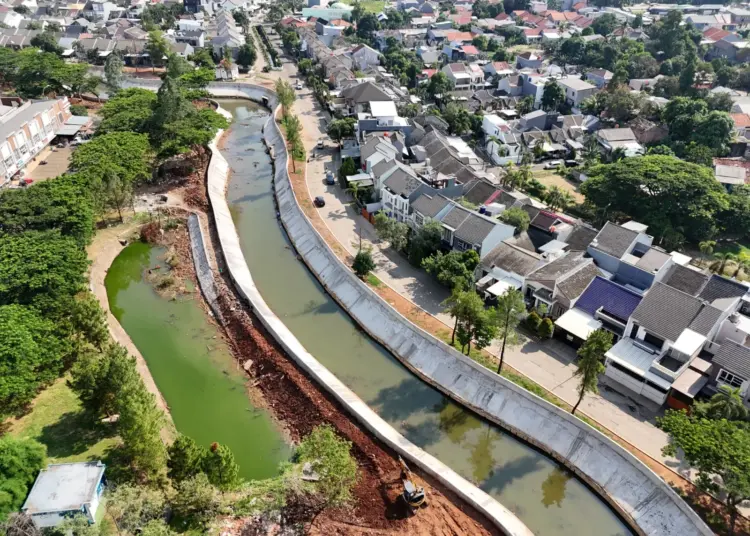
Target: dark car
[
  {"x": 330, "y": 179},
  {"x": 572, "y": 163},
  {"x": 319, "y": 202}
]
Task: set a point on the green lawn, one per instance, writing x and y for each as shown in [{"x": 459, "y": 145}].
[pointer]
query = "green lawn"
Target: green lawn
[
  {"x": 58, "y": 421},
  {"x": 371, "y": 6},
  {"x": 736, "y": 248}
]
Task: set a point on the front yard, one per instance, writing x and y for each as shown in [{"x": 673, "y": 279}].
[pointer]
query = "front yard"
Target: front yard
[{"x": 549, "y": 178}]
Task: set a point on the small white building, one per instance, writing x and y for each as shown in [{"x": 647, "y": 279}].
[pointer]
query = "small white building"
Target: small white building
[
  {"x": 364, "y": 57},
  {"x": 576, "y": 90},
  {"x": 65, "y": 489}
]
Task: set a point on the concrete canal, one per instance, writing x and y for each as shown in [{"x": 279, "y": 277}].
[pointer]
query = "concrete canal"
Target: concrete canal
[
  {"x": 549, "y": 500},
  {"x": 192, "y": 365}
]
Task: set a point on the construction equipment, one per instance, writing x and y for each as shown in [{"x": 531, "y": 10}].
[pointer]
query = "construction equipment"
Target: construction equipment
[{"x": 413, "y": 496}]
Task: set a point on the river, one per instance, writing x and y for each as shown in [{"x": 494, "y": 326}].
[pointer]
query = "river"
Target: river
[
  {"x": 192, "y": 365},
  {"x": 545, "y": 496}
]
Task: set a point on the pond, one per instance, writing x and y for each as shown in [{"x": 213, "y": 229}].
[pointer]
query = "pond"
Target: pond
[{"x": 192, "y": 365}]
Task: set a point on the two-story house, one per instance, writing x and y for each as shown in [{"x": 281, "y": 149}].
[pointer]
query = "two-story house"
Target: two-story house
[
  {"x": 529, "y": 60},
  {"x": 364, "y": 57},
  {"x": 506, "y": 267},
  {"x": 576, "y": 90},
  {"x": 357, "y": 99},
  {"x": 557, "y": 285},
  {"x": 464, "y": 229},
  {"x": 464, "y": 77}
]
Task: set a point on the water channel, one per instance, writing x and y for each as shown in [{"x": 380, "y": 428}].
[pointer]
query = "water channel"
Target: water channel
[
  {"x": 545, "y": 497},
  {"x": 192, "y": 365}
]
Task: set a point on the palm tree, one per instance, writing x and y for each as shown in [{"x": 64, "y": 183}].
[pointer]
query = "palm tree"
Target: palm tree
[
  {"x": 559, "y": 199},
  {"x": 354, "y": 190},
  {"x": 501, "y": 151},
  {"x": 726, "y": 404},
  {"x": 743, "y": 264},
  {"x": 720, "y": 262}
]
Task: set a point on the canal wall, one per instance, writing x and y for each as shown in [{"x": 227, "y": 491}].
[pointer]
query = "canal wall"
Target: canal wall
[
  {"x": 217, "y": 177},
  {"x": 203, "y": 271},
  {"x": 631, "y": 488}
]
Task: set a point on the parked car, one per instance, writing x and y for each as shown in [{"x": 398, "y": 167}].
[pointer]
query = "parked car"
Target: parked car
[
  {"x": 552, "y": 164},
  {"x": 572, "y": 163},
  {"x": 299, "y": 85},
  {"x": 319, "y": 202},
  {"x": 321, "y": 143},
  {"x": 330, "y": 179}
]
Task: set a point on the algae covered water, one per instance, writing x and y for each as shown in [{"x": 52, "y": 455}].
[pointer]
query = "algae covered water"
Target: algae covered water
[
  {"x": 192, "y": 365},
  {"x": 548, "y": 499}
]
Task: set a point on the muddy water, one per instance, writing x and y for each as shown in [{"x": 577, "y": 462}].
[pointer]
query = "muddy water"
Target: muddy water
[
  {"x": 546, "y": 497},
  {"x": 192, "y": 366}
]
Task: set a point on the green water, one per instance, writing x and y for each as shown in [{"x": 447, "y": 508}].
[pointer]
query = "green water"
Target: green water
[
  {"x": 543, "y": 495},
  {"x": 192, "y": 366}
]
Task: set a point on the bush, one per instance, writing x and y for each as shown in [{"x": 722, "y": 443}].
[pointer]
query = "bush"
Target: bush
[
  {"x": 533, "y": 321},
  {"x": 363, "y": 263},
  {"x": 546, "y": 328},
  {"x": 79, "y": 109}
]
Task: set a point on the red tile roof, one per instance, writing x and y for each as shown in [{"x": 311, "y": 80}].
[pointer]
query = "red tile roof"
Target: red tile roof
[
  {"x": 502, "y": 16},
  {"x": 741, "y": 120},
  {"x": 579, "y": 5},
  {"x": 427, "y": 73},
  {"x": 469, "y": 49},
  {"x": 460, "y": 36},
  {"x": 461, "y": 19}
]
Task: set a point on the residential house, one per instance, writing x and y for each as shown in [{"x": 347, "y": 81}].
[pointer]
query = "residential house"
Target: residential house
[
  {"x": 533, "y": 85},
  {"x": 358, "y": 98},
  {"x": 229, "y": 35},
  {"x": 100, "y": 10},
  {"x": 498, "y": 68},
  {"x": 399, "y": 190},
  {"x": 194, "y": 38},
  {"x": 557, "y": 285},
  {"x": 10, "y": 18},
  {"x": 464, "y": 229},
  {"x": 599, "y": 77},
  {"x": 464, "y": 77},
  {"x": 25, "y": 129},
  {"x": 364, "y": 57},
  {"x": 428, "y": 207},
  {"x": 739, "y": 16},
  {"x": 603, "y": 305},
  {"x": 731, "y": 48},
  {"x": 63, "y": 490},
  {"x": 377, "y": 149},
  {"x": 625, "y": 251},
  {"x": 611, "y": 139},
  {"x": 730, "y": 176},
  {"x": 529, "y": 60},
  {"x": 576, "y": 90},
  {"x": 506, "y": 267},
  {"x": 731, "y": 368}
]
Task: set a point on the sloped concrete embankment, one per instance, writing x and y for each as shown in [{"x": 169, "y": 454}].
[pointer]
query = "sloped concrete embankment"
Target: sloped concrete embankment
[
  {"x": 632, "y": 489},
  {"x": 218, "y": 173}
]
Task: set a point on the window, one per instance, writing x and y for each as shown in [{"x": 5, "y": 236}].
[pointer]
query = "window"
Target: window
[
  {"x": 653, "y": 340},
  {"x": 626, "y": 371},
  {"x": 727, "y": 378},
  {"x": 460, "y": 245},
  {"x": 447, "y": 235},
  {"x": 418, "y": 218}
]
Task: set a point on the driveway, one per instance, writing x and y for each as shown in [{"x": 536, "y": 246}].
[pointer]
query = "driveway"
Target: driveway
[{"x": 57, "y": 164}]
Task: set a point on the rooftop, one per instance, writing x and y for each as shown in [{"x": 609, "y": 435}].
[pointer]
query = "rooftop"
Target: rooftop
[
  {"x": 64, "y": 487},
  {"x": 685, "y": 279},
  {"x": 666, "y": 311},
  {"x": 734, "y": 357},
  {"x": 611, "y": 298},
  {"x": 614, "y": 240}
]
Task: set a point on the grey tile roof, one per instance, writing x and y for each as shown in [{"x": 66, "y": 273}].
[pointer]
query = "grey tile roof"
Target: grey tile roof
[
  {"x": 685, "y": 279},
  {"x": 429, "y": 206},
  {"x": 558, "y": 267},
  {"x": 479, "y": 192},
  {"x": 475, "y": 229},
  {"x": 365, "y": 92},
  {"x": 735, "y": 358},
  {"x": 401, "y": 183},
  {"x": 512, "y": 259},
  {"x": 455, "y": 217},
  {"x": 572, "y": 286},
  {"x": 614, "y": 240},
  {"x": 705, "y": 320},
  {"x": 666, "y": 311},
  {"x": 580, "y": 237},
  {"x": 720, "y": 287},
  {"x": 653, "y": 260}
]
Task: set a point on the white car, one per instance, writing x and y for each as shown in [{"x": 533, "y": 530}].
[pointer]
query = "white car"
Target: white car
[
  {"x": 299, "y": 86},
  {"x": 552, "y": 164}
]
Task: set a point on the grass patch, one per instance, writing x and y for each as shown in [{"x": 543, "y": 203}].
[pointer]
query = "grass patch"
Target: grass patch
[
  {"x": 740, "y": 249},
  {"x": 58, "y": 421},
  {"x": 373, "y": 281},
  {"x": 370, "y": 6}
]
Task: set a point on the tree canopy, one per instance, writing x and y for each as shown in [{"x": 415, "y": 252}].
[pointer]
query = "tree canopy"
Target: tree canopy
[{"x": 20, "y": 462}]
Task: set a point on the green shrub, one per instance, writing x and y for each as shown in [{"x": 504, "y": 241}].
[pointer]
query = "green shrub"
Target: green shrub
[
  {"x": 79, "y": 109},
  {"x": 546, "y": 328},
  {"x": 533, "y": 321}
]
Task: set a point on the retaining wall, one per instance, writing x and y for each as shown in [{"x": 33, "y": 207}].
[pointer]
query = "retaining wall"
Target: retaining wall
[
  {"x": 203, "y": 271},
  {"x": 217, "y": 176}
]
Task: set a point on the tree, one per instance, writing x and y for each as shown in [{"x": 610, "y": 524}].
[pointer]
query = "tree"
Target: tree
[
  {"x": 185, "y": 458},
  {"x": 157, "y": 48},
  {"x": 720, "y": 262},
  {"x": 706, "y": 247},
  {"x": 246, "y": 55},
  {"x": 439, "y": 85},
  {"x": 330, "y": 457},
  {"x": 525, "y": 105},
  {"x": 286, "y": 96},
  {"x": 605, "y": 24},
  {"x": 43, "y": 269},
  {"x": 590, "y": 363},
  {"x": 157, "y": 527},
  {"x": 425, "y": 241},
  {"x": 392, "y": 231},
  {"x": 546, "y": 329},
  {"x": 79, "y": 110},
  {"x": 20, "y": 462},
  {"x": 367, "y": 25},
  {"x": 132, "y": 507},
  {"x": 462, "y": 305},
  {"x": 458, "y": 118},
  {"x": 341, "y": 129},
  {"x": 47, "y": 42},
  {"x": 478, "y": 324},
  {"x": 140, "y": 425},
  {"x": 20, "y": 524},
  {"x": 113, "y": 72},
  {"x": 363, "y": 263},
  {"x": 661, "y": 191},
  {"x": 453, "y": 269},
  {"x": 715, "y": 448},
  {"x": 118, "y": 193},
  {"x": 510, "y": 308},
  {"x": 241, "y": 18},
  {"x": 196, "y": 502},
  {"x": 719, "y": 101},
  {"x": 125, "y": 155},
  {"x": 293, "y": 128},
  {"x": 129, "y": 110},
  {"x": 220, "y": 467},
  {"x": 348, "y": 168},
  {"x": 553, "y": 95},
  {"x": 558, "y": 199},
  {"x": 726, "y": 404},
  {"x": 516, "y": 217}
]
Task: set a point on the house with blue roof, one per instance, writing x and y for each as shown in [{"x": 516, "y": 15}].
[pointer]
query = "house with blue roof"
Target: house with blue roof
[{"x": 604, "y": 304}]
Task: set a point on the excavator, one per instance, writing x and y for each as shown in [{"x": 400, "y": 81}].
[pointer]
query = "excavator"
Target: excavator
[{"x": 413, "y": 496}]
